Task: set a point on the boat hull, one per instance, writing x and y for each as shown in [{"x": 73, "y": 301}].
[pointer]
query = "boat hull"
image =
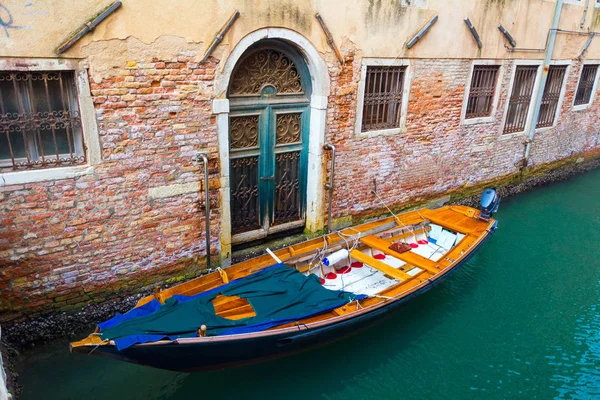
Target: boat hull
[{"x": 188, "y": 355}]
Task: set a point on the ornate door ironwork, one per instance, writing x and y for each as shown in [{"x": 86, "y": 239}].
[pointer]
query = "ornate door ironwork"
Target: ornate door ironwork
[
  {"x": 268, "y": 140},
  {"x": 288, "y": 135},
  {"x": 243, "y": 143}
]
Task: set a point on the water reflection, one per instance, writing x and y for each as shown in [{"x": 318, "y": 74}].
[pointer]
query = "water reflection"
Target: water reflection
[{"x": 579, "y": 370}]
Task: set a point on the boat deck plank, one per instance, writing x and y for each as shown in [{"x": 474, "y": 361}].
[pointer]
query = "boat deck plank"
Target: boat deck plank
[
  {"x": 378, "y": 265},
  {"x": 408, "y": 257}
]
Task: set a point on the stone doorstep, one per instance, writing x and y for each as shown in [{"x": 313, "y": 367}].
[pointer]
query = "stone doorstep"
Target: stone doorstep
[{"x": 260, "y": 249}]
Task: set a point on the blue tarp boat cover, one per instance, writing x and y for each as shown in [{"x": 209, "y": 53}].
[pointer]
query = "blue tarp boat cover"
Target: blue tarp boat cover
[{"x": 278, "y": 295}]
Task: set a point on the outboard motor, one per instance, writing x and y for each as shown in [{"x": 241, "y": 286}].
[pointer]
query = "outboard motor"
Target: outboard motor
[{"x": 489, "y": 204}]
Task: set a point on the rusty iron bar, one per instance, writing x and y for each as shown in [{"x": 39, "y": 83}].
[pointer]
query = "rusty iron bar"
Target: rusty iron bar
[
  {"x": 556, "y": 74},
  {"x": 482, "y": 90},
  {"x": 88, "y": 27},
  {"x": 383, "y": 102},
  {"x": 524, "y": 49},
  {"x": 583, "y": 94},
  {"x": 507, "y": 35},
  {"x": 58, "y": 116},
  {"x": 330, "y": 185},
  {"x": 473, "y": 32},
  {"x": 422, "y": 32},
  {"x": 520, "y": 98},
  {"x": 329, "y": 38},
  {"x": 575, "y": 32},
  {"x": 220, "y": 35}
]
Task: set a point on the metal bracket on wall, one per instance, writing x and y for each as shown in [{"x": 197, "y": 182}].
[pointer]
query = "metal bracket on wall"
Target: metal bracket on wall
[
  {"x": 219, "y": 36},
  {"x": 473, "y": 32},
  {"x": 196, "y": 158},
  {"x": 507, "y": 36},
  {"x": 585, "y": 10},
  {"x": 422, "y": 32},
  {"x": 329, "y": 38},
  {"x": 329, "y": 186},
  {"x": 88, "y": 27}
]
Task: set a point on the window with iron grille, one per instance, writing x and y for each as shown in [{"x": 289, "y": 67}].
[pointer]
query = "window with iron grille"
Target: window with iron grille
[
  {"x": 481, "y": 93},
  {"x": 382, "y": 104},
  {"x": 586, "y": 85},
  {"x": 520, "y": 98},
  {"x": 551, "y": 96},
  {"x": 40, "y": 124}
]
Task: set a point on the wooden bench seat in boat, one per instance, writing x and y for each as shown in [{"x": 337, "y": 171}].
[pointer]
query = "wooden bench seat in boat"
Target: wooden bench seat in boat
[
  {"x": 383, "y": 267},
  {"x": 409, "y": 257}
]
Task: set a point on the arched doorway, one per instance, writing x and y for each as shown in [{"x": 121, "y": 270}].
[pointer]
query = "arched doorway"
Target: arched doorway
[{"x": 269, "y": 94}]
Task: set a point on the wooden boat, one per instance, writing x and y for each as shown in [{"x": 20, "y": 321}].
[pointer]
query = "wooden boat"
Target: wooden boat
[{"x": 383, "y": 263}]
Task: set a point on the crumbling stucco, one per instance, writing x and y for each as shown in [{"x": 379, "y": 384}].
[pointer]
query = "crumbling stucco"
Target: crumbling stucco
[{"x": 380, "y": 27}]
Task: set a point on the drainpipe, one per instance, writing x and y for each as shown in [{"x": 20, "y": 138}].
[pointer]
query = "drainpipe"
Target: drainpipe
[
  {"x": 540, "y": 92},
  {"x": 196, "y": 158},
  {"x": 329, "y": 186}
]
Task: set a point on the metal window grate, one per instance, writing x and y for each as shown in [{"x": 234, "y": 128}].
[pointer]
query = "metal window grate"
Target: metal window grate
[
  {"x": 556, "y": 75},
  {"x": 481, "y": 93},
  {"x": 383, "y": 98},
  {"x": 40, "y": 124},
  {"x": 586, "y": 84},
  {"x": 520, "y": 98}
]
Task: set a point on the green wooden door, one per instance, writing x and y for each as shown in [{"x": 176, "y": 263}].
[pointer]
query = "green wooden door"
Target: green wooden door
[
  {"x": 268, "y": 153},
  {"x": 268, "y": 140}
]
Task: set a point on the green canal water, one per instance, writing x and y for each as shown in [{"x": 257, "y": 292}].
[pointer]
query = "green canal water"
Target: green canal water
[{"x": 520, "y": 320}]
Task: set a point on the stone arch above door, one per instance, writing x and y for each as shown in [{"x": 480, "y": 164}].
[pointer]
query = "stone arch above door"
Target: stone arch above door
[
  {"x": 269, "y": 98},
  {"x": 319, "y": 83}
]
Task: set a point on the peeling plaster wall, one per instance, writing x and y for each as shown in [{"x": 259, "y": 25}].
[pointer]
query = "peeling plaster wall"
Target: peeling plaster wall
[{"x": 380, "y": 28}]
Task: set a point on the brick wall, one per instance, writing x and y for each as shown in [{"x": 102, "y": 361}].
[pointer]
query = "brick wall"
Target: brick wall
[
  {"x": 438, "y": 153},
  {"x": 65, "y": 243},
  {"x": 68, "y": 242}
]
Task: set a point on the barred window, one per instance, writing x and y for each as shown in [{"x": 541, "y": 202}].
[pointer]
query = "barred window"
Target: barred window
[
  {"x": 586, "y": 85},
  {"x": 40, "y": 124},
  {"x": 383, "y": 98},
  {"x": 520, "y": 98},
  {"x": 481, "y": 93},
  {"x": 556, "y": 75}
]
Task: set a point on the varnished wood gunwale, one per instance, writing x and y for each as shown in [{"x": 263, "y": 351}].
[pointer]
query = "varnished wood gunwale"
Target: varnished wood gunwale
[
  {"x": 213, "y": 280},
  {"x": 475, "y": 230}
]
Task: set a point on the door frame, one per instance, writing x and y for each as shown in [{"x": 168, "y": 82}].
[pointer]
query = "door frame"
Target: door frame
[
  {"x": 268, "y": 113},
  {"x": 319, "y": 77}
]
